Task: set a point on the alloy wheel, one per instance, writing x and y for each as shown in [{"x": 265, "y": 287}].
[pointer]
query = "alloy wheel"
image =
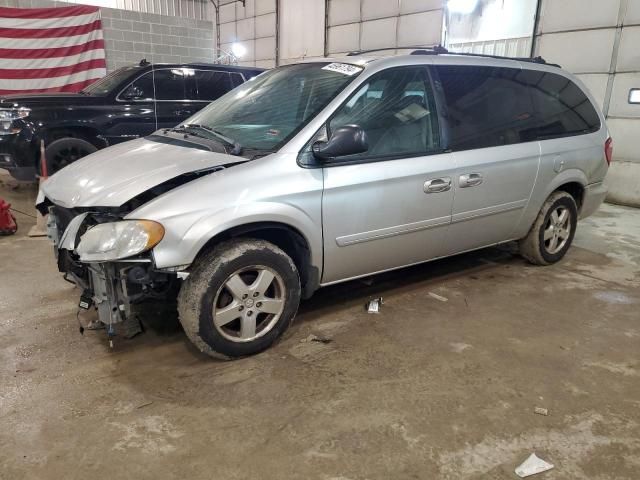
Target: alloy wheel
[
  {"x": 249, "y": 303},
  {"x": 557, "y": 230}
]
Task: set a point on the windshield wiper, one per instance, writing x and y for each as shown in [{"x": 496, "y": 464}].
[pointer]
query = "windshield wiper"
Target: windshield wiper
[{"x": 236, "y": 148}]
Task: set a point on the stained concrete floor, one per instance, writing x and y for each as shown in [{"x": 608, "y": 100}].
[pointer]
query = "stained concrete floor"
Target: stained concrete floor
[{"x": 427, "y": 389}]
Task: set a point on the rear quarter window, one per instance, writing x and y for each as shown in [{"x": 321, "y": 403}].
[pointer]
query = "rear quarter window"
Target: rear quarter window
[
  {"x": 561, "y": 108},
  {"x": 493, "y": 106}
]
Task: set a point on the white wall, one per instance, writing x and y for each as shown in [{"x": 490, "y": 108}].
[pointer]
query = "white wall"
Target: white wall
[
  {"x": 496, "y": 27},
  {"x": 493, "y": 20},
  {"x": 196, "y": 9},
  {"x": 304, "y": 34},
  {"x": 254, "y": 27},
  {"x": 301, "y": 30},
  {"x": 368, "y": 24},
  {"x": 599, "y": 40}
]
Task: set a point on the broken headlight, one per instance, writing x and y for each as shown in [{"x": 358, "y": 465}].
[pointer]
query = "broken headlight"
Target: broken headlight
[{"x": 117, "y": 240}]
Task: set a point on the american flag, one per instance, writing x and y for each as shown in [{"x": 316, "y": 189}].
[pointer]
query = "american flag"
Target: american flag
[{"x": 50, "y": 49}]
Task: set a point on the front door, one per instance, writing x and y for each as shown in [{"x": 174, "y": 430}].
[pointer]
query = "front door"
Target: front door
[
  {"x": 133, "y": 114},
  {"x": 390, "y": 206},
  {"x": 490, "y": 119}
]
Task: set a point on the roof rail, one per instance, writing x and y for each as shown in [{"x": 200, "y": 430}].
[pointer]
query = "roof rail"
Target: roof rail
[
  {"x": 434, "y": 48},
  {"x": 441, "y": 50}
]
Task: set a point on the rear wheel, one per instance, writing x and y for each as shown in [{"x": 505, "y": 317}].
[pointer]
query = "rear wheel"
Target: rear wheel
[
  {"x": 552, "y": 233},
  {"x": 65, "y": 151},
  {"x": 239, "y": 298}
]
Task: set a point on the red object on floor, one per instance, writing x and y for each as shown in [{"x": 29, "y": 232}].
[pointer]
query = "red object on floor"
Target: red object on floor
[{"x": 8, "y": 224}]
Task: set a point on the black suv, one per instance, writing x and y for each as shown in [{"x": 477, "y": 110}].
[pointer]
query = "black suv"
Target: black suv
[{"x": 128, "y": 103}]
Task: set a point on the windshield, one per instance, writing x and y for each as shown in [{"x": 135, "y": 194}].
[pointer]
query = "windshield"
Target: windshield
[
  {"x": 266, "y": 111},
  {"x": 106, "y": 84}
]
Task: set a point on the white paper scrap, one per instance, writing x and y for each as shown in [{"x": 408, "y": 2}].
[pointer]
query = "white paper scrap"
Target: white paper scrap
[{"x": 533, "y": 465}]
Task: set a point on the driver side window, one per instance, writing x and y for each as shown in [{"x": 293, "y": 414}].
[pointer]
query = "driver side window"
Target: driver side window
[
  {"x": 397, "y": 111},
  {"x": 140, "y": 90}
]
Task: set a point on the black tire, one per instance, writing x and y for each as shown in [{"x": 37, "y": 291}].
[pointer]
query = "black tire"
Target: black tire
[
  {"x": 65, "y": 151},
  {"x": 534, "y": 247},
  {"x": 206, "y": 283}
]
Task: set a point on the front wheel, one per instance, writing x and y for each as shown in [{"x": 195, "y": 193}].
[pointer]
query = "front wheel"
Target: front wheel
[
  {"x": 552, "y": 233},
  {"x": 65, "y": 151},
  {"x": 239, "y": 298}
]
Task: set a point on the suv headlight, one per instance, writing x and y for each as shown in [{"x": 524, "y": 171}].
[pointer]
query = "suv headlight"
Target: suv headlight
[
  {"x": 8, "y": 115},
  {"x": 117, "y": 240}
]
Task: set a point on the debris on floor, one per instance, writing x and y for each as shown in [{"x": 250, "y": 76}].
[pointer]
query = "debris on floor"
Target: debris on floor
[
  {"x": 315, "y": 338},
  {"x": 532, "y": 465},
  {"x": 373, "y": 306},
  {"x": 541, "y": 411},
  {"x": 438, "y": 297}
]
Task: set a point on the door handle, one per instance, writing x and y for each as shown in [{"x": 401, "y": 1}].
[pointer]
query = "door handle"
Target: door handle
[
  {"x": 437, "y": 185},
  {"x": 181, "y": 113},
  {"x": 470, "y": 180}
]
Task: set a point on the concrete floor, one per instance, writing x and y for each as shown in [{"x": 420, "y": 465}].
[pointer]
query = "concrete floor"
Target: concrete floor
[{"x": 427, "y": 389}]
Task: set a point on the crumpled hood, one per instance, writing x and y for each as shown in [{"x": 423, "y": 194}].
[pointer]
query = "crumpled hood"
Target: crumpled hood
[{"x": 111, "y": 177}]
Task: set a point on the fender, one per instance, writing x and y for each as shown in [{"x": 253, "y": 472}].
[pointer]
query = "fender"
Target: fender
[
  {"x": 539, "y": 196},
  {"x": 181, "y": 250}
]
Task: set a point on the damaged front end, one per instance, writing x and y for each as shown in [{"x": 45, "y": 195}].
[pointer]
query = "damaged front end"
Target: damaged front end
[
  {"x": 98, "y": 246},
  {"x": 116, "y": 287}
]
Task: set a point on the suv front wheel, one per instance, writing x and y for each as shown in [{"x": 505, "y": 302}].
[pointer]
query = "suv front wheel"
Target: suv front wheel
[
  {"x": 65, "y": 151},
  {"x": 239, "y": 298},
  {"x": 552, "y": 233}
]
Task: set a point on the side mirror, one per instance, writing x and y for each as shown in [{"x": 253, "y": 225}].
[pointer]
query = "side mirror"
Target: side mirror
[{"x": 346, "y": 140}]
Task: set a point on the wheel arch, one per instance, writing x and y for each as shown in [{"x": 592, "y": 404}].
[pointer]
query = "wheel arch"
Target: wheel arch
[
  {"x": 572, "y": 181},
  {"x": 88, "y": 133},
  {"x": 285, "y": 237},
  {"x": 576, "y": 190}
]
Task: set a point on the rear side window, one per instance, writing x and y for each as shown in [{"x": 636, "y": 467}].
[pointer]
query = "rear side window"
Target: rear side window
[
  {"x": 170, "y": 84},
  {"x": 490, "y": 106},
  {"x": 486, "y": 106},
  {"x": 561, "y": 108},
  {"x": 208, "y": 85}
]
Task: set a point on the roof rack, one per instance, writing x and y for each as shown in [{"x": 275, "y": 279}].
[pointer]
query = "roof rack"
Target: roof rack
[
  {"x": 434, "y": 48},
  {"x": 440, "y": 50}
]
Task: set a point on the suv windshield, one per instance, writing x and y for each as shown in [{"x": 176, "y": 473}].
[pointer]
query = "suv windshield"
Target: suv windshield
[
  {"x": 268, "y": 110},
  {"x": 106, "y": 84}
]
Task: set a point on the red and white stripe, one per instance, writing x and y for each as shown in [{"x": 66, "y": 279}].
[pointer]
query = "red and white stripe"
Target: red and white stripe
[{"x": 50, "y": 49}]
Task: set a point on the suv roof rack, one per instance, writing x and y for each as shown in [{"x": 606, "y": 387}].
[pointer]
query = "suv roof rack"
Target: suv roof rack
[{"x": 440, "y": 50}]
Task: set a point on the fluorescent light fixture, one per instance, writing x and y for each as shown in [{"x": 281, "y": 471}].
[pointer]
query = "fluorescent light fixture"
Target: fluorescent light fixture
[
  {"x": 238, "y": 50},
  {"x": 634, "y": 95},
  {"x": 462, "y": 6}
]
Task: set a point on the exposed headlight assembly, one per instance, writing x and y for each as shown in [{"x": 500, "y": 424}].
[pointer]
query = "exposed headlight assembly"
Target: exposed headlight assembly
[
  {"x": 8, "y": 115},
  {"x": 118, "y": 240}
]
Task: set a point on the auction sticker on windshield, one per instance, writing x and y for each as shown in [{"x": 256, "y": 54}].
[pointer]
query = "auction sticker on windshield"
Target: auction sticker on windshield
[{"x": 344, "y": 68}]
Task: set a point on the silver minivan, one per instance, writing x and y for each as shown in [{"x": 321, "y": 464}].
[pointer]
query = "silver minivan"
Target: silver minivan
[{"x": 321, "y": 172}]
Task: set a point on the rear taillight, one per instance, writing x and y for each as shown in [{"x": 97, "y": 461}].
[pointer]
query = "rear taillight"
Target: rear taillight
[{"x": 608, "y": 150}]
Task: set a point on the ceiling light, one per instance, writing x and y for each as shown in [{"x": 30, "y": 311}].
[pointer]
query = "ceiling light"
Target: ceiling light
[{"x": 238, "y": 50}]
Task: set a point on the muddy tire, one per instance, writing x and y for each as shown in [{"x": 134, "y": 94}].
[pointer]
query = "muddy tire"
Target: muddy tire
[
  {"x": 239, "y": 298},
  {"x": 552, "y": 233},
  {"x": 65, "y": 151}
]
